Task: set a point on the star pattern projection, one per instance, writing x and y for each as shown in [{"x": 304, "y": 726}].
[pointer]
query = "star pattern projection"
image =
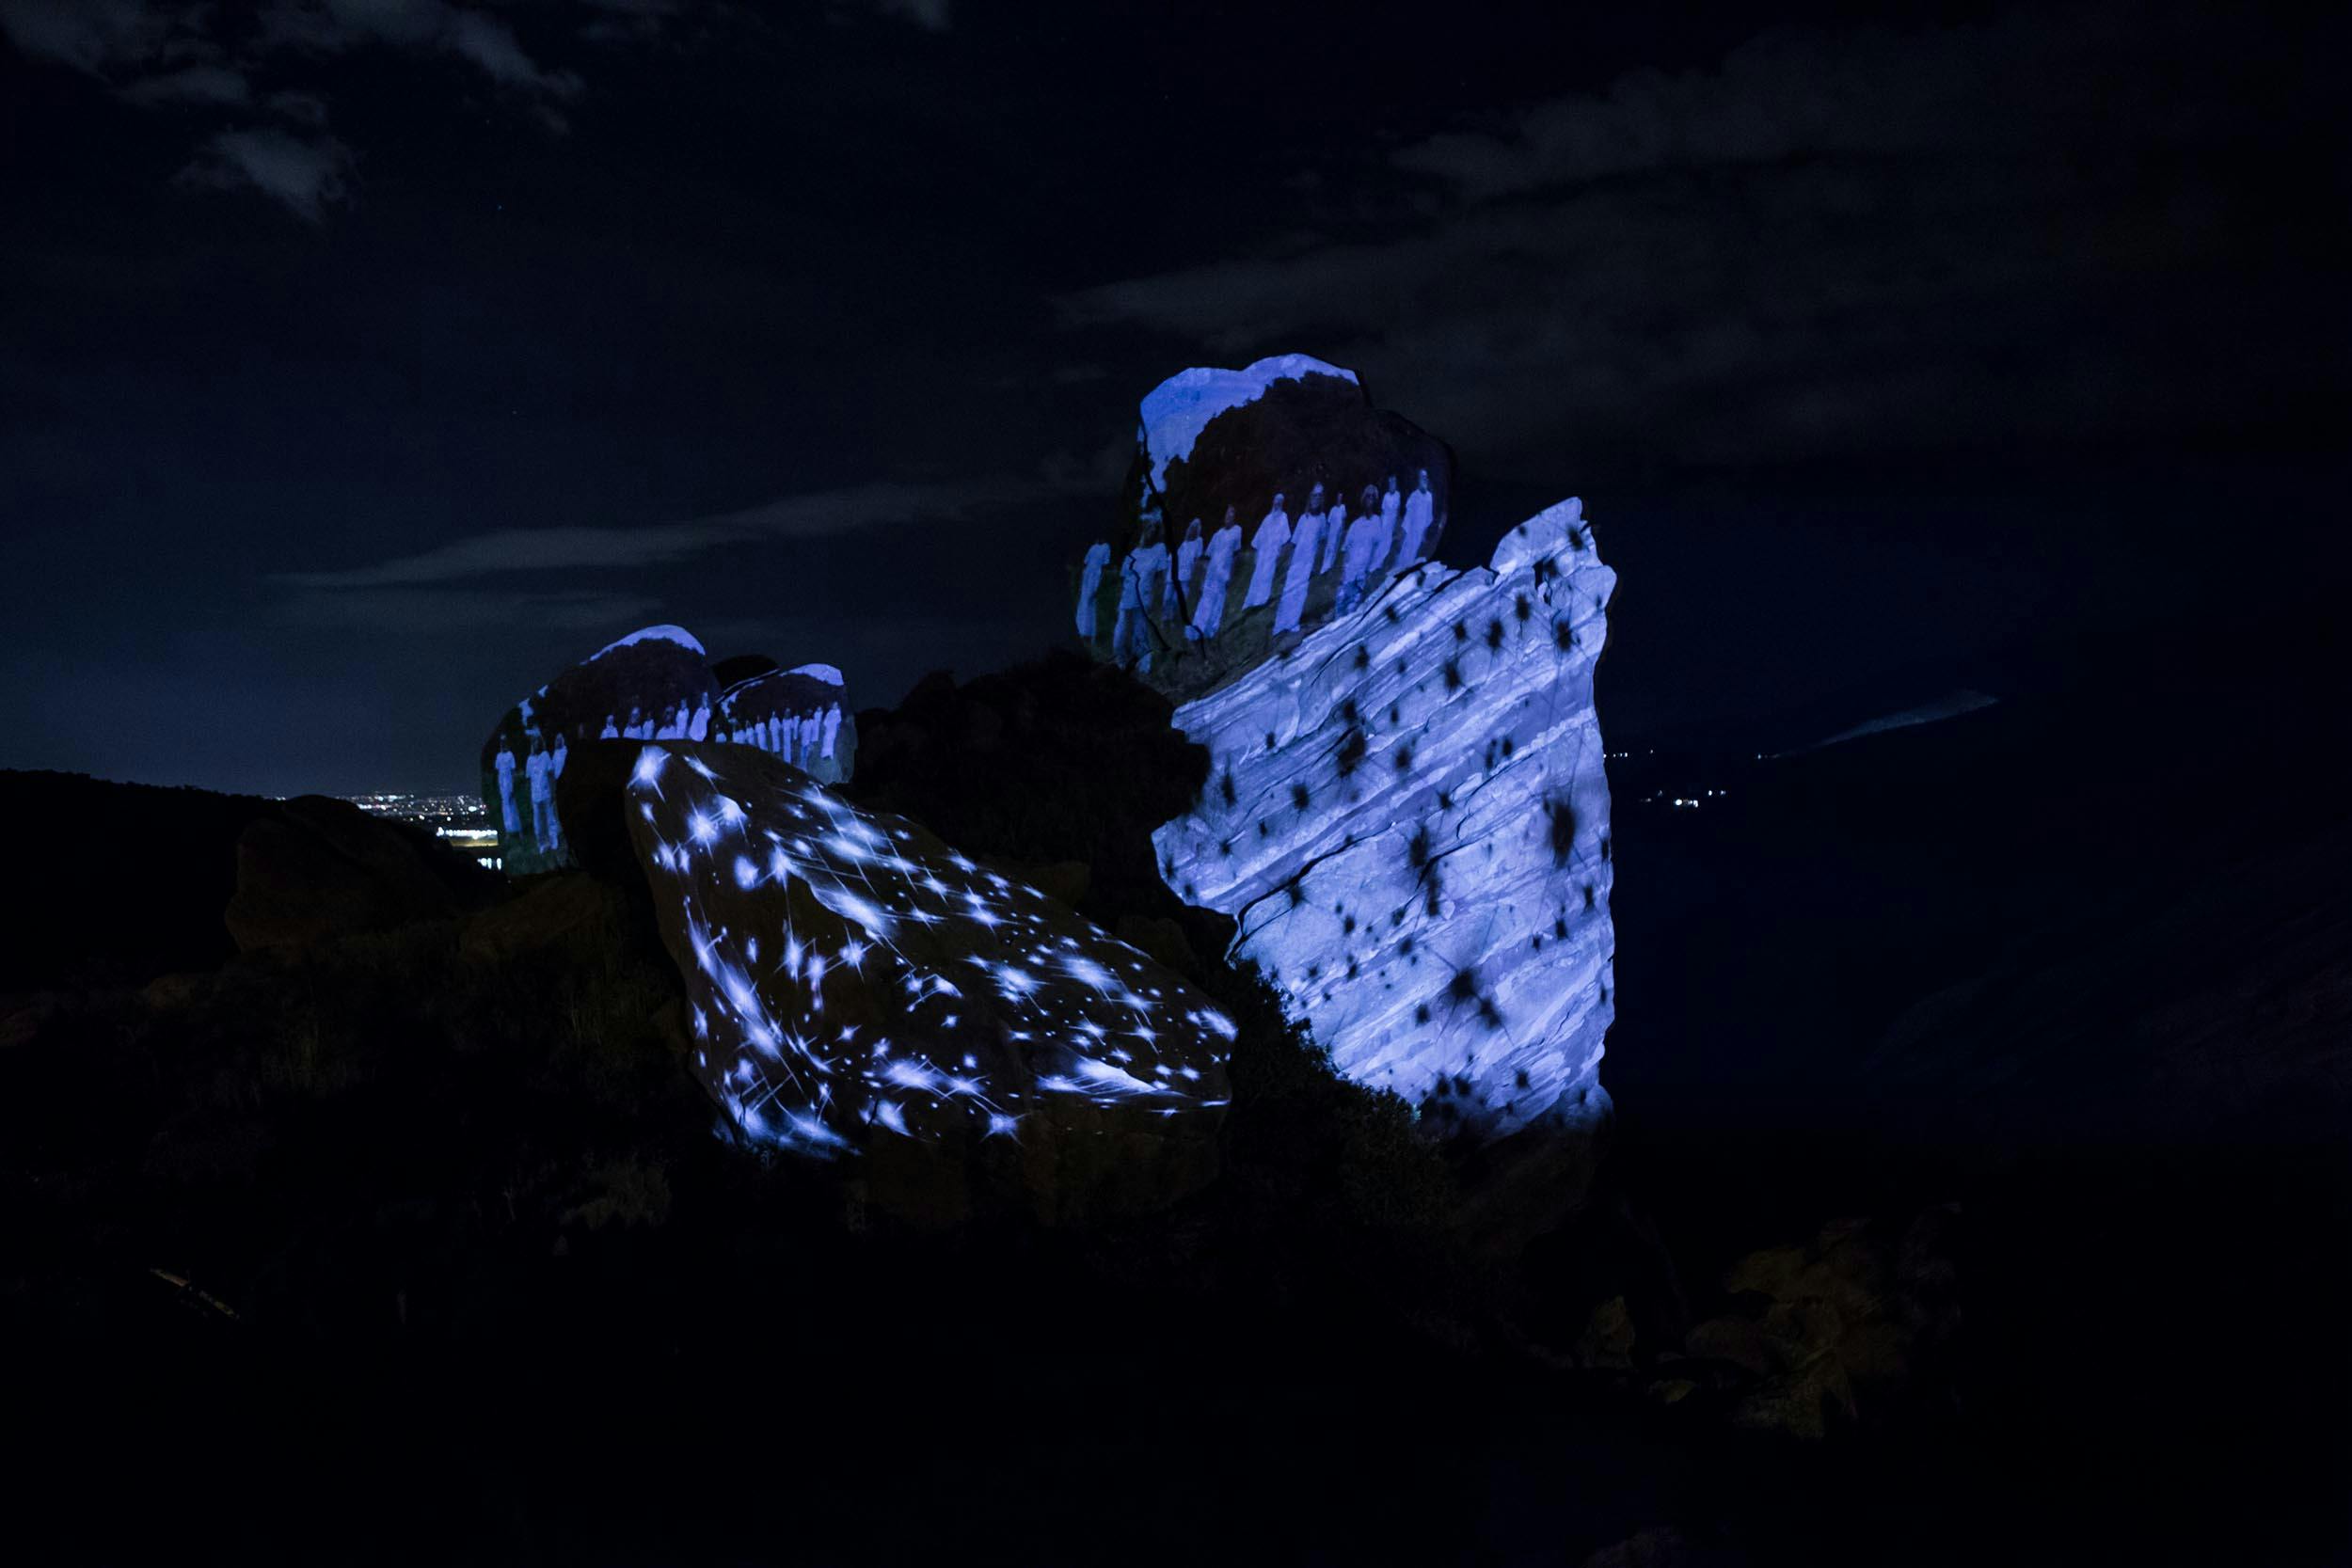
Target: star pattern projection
[{"x": 850, "y": 977}]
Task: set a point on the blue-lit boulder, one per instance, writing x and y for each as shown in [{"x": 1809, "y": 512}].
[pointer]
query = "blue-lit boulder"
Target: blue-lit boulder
[
  {"x": 858, "y": 992},
  {"x": 796, "y": 714},
  {"x": 655, "y": 684},
  {"x": 1261, "y": 502},
  {"x": 1407, "y": 814}
]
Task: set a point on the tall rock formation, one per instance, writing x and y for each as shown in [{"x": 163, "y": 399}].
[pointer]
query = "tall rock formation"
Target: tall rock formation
[{"x": 1407, "y": 814}]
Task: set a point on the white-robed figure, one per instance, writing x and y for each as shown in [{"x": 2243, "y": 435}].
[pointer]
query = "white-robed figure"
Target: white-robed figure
[
  {"x": 1208, "y": 609},
  {"x": 554, "y": 838},
  {"x": 1313, "y": 512},
  {"x": 1391, "y": 503},
  {"x": 1358, "y": 558},
  {"x": 1302, "y": 570},
  {"x": 1334, "y": 531},
  {"x": 1274, "y": 532},
  {"x": 701, "y": 726},
  {"x": 810, "y": 725},
  {"x": 833, "y": 728},
  {"x": 1178, "y": 599},
  {"x": 535, "y": 774},
  {"x": 1090, "y": 584},
  {"x": 510, "y": 821},
  {"x": 1141, "y": 578},
  {"x": 1420, "y": 510}
]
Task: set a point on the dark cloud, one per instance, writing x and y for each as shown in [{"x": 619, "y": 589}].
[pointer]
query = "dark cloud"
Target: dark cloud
[
  {"x": 477, "y": 36},
  {"x": 308, "y": 175},
  {"x": 163, "y": 53},
  {"x": 2018, "y": 232},
  {"x": 103, "y": 37}
]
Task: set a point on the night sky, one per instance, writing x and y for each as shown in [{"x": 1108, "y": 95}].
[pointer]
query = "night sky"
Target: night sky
[{"x": 363, "y": 362}]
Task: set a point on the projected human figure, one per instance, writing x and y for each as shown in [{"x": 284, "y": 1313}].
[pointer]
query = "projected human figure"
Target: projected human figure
[
  {"x": 701, "y": 726},
  {"x": 1208, "y": 610},
  {"x": 1302, "y": 570},
  {"x": 1089, "y": 584},
  {"x": 1313, "y": 509},
  {"x": 1274, "y": 532},
  {"x": 1180, "y": 580},
  {"x": 1357, "y": 557},
  {"x": 553, "y": 838},
  {"x": 1142, "y": 576},
  {"x": 833, "y": 728},
  {"x": 810, "y": 727},
  {"x": 1420, "y": 509},
  {"x": 510, "y": 822},
  {"x": 1391, "y": 503},
  {"x": 536, "y": 773},
  {"x": 610, "y": 730}
]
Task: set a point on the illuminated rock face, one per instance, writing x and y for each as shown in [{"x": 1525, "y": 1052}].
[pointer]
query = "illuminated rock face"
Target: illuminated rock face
[
  {"x": 1407, "y": 814},
  {"x": 1261, "y": 502},
  {"x": 857, "y": 990},
  {"x": 795, "y": 714},
  {"x": 655, "y": 684}
]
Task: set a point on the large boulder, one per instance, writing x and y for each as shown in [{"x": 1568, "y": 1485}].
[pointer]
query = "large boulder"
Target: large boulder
[
  {"x": 859, "y": 991},
  {"x": 1261, "y": 502},
  {"x": 655, "y": 684},
  {"x": 796, "y": 714},
  {"x": 1408, "y": 814}
]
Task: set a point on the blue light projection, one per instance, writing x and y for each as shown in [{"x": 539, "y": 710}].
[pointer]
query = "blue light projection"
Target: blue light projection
[
  {"x": 849, "y": 976},
  {"x": 655, "y": 684},
  {"x": 1407, "y": 814}
]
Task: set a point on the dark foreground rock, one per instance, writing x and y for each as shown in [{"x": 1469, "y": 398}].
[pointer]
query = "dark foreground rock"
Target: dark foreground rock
[{"x": 317, "y": 868}]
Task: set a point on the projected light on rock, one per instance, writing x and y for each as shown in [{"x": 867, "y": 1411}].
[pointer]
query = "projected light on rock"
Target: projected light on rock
[
  {"x": 1407, "y": 814},
  {"x": 1261, "y": 502},
  {"x": 655, "y": 684},
  {"x": 854, "y": 982},
  {"x": 795, "y": 714}
]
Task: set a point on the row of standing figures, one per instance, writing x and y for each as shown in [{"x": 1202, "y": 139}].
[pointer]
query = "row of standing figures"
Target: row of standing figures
[
  {"x": 1387, "y": 528},
  {"x": 799, "y": 740}
]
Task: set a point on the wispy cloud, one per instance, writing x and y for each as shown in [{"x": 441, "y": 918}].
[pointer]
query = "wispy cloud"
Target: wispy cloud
[
  {"x": 306, "y": 174},
  {"x": 550, "y": 550},
  {"x": 190, "y": 57},
  {"x": 437, "y": 611}
]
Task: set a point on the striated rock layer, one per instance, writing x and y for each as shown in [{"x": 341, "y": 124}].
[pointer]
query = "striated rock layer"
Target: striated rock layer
[{"x": 1408, "y": 816}]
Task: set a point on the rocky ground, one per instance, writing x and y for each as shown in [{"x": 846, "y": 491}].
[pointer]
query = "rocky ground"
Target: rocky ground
[{"x": 382, "y": 1221}]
